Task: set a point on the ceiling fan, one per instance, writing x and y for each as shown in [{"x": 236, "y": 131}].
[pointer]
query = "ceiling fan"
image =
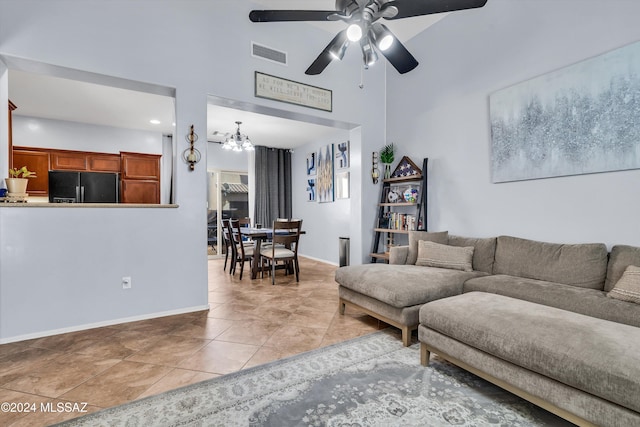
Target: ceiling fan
[{"x": 362, "y": 17}]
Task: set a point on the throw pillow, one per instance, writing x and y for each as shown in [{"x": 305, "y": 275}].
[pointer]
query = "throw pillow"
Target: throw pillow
[
  {"x": 432, "y": 254},
  {"x": 628, "y": 287},
  {"x": 416, "y": 236}
]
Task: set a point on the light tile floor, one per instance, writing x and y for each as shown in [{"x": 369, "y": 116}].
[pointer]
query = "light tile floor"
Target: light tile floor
[{"x": 250, "y": 322}]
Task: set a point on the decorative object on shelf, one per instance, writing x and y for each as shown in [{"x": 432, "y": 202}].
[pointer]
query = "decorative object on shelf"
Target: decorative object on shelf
[
  {"x": 17, "y": 184},
  {"x": 238, "y": 141},
  {"x": 394, "y": 197},
  {"x": 406, "y": 169},
  {"x": 410, "y": 195},
  {"x": 375, "y": 172},
  {"x": 341, "y": 151},
  {"x": 386, "y": 157},
  {"x": 191, "y": 155}
]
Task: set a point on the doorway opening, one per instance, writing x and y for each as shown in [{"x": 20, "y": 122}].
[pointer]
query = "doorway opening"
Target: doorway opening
[{"x": 227, "y": 197}]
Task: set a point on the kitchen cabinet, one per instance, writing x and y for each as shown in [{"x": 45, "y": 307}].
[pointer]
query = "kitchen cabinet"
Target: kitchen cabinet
[
  {"x": 140, "y": 174},
  {"x": 36, "y": 161},
  {"x": 68, "y": 160}
]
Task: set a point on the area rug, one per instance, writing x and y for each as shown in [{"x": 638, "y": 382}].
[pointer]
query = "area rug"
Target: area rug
[{"x": 368, "y": 381}]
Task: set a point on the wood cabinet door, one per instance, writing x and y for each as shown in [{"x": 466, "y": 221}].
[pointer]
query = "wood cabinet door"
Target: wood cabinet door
[
  {"x": 103, "y": 162},
  {"x": 140, "y": 166},
  {"x": 140, "y": 191},
  {"x": 38, "y": 162},
  {"x": 72, "y": 160}
]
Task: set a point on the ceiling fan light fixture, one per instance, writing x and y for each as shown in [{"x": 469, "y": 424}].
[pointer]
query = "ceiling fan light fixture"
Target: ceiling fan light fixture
[
  {"x": 369, "y": 54},
  {"x": 381, "y": 36},
  {"x": 354, "y": 32},
  {"x": 337, "y": 52}
]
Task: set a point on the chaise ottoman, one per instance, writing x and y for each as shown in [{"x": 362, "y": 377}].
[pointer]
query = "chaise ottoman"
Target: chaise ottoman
[{"x": 582, "y": 368}]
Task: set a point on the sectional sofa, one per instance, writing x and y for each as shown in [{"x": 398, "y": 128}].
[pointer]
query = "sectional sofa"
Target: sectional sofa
[{"x": 557, "y": 324}]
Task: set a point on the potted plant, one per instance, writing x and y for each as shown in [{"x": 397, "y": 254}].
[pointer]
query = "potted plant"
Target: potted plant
[
  {"x": 386, "y": 157},
  {"x": 17, "y": 184}
]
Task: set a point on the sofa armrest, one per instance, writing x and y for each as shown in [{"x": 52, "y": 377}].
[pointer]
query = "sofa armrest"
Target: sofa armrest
[{"x": 398, "y": 254}]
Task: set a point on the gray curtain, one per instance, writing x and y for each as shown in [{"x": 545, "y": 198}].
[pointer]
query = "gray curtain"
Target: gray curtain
[{"x": 273, "y": 185}]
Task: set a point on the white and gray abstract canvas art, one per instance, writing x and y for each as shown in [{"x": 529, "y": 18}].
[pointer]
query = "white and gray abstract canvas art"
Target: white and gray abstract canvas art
[{"x": 577, "y": 120}]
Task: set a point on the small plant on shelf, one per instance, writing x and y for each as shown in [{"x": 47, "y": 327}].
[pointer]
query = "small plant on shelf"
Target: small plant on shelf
[
  {"x": 23, "y": 172},
  {"x": 386, "y": 157}
]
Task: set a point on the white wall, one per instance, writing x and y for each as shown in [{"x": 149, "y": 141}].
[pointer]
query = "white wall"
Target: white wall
[
  {"x": 65, "y": 135},
  {"x": 323, "y": 223},
  {"x": 181, "y": 44},
  {"x": 441, "y": 111}
]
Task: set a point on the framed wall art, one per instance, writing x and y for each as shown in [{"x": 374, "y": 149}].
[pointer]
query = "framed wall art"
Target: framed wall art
[
  {"x": 324, "y": 179},
  {"x": 342, "y": 185},
  {"x": 283, "y": 90},
  {"x": 311, "y": 190},
  {"x": 577, "y": 120},
  {"x": 341, "y": 153}
]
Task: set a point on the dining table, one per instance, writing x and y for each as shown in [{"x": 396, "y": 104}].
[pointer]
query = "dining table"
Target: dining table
[{"x": 258, "y": 235}]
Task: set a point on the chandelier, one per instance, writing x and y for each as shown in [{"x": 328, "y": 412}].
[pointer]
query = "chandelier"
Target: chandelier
[{"x": 238, "y": 141}]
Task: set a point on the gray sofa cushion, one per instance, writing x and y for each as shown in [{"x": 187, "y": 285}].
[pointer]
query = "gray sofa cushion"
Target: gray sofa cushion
[
  {"x": 415, "y": 236},
  {"x": 628, "y": 287},
  {"x": 590, "y": 302},
  {"x": 432, "y": 254},
  {"x": 587, "y": 353},
  {"x": 620, "y": 258},
  {"x": 484, "y": 250},
  {"x": 418, "y": 284},
  {"x": 583, "y": 265}
]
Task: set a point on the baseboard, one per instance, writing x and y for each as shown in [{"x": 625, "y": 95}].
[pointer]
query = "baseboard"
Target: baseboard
[
  {"x": 318, "y": 259},
  {"x": 103, "y": 324}
]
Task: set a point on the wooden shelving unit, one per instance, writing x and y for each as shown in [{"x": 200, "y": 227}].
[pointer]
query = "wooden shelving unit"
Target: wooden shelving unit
[{"x": 399, "y": 217}]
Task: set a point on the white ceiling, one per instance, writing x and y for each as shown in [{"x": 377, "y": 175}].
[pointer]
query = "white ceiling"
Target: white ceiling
[{"x": 39, "y": 95}]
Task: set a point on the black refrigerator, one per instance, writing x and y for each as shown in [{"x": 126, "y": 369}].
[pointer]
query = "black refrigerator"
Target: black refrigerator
[{"x": 83, "y": 187}]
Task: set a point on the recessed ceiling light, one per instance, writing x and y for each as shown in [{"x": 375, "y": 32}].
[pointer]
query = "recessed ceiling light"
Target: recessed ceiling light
[{"x": 154, "y": 121}]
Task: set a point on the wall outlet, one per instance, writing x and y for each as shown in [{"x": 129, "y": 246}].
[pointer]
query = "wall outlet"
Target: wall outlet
[{"x": 126, "y": 282}]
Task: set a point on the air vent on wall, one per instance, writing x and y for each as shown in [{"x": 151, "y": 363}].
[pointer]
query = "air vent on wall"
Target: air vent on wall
[{"x": 264, "y": 52}]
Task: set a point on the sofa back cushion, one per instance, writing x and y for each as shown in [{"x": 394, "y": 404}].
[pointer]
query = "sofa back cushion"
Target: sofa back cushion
[
  {"x": 441, "y": 237},
  {"x": 583, "y": 265},
  {"x": 621, "y": 257},
  {"x": 483, "y": 253},
  {"x": 432, "y": 254}
]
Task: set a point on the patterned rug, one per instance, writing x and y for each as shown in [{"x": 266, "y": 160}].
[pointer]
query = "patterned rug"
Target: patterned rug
[{"x": 368, "y": 381}]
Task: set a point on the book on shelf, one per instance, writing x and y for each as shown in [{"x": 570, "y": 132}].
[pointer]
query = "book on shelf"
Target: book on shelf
[{"x": 398, "y": 221}]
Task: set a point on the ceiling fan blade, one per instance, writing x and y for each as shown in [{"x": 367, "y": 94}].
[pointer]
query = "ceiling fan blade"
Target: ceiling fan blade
[
  {"x": 408, "y": 8},
  {"x": 325, "y": 56},
  {"x": 399, "y": 56},
  {"x": 289, "y": 15}
]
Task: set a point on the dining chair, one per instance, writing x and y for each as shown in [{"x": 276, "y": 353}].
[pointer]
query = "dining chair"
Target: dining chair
[
  {"x": 243, "y": 251},
  {"x": 286, "y": 238},
  {"x": 226, "y": 239}
]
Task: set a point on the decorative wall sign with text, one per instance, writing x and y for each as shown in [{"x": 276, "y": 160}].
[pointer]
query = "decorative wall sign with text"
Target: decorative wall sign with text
[{"x": 283, "y": 90}]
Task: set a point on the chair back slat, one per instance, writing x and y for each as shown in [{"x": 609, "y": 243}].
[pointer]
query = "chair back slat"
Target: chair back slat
[{"x": 287, "y": 232}]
